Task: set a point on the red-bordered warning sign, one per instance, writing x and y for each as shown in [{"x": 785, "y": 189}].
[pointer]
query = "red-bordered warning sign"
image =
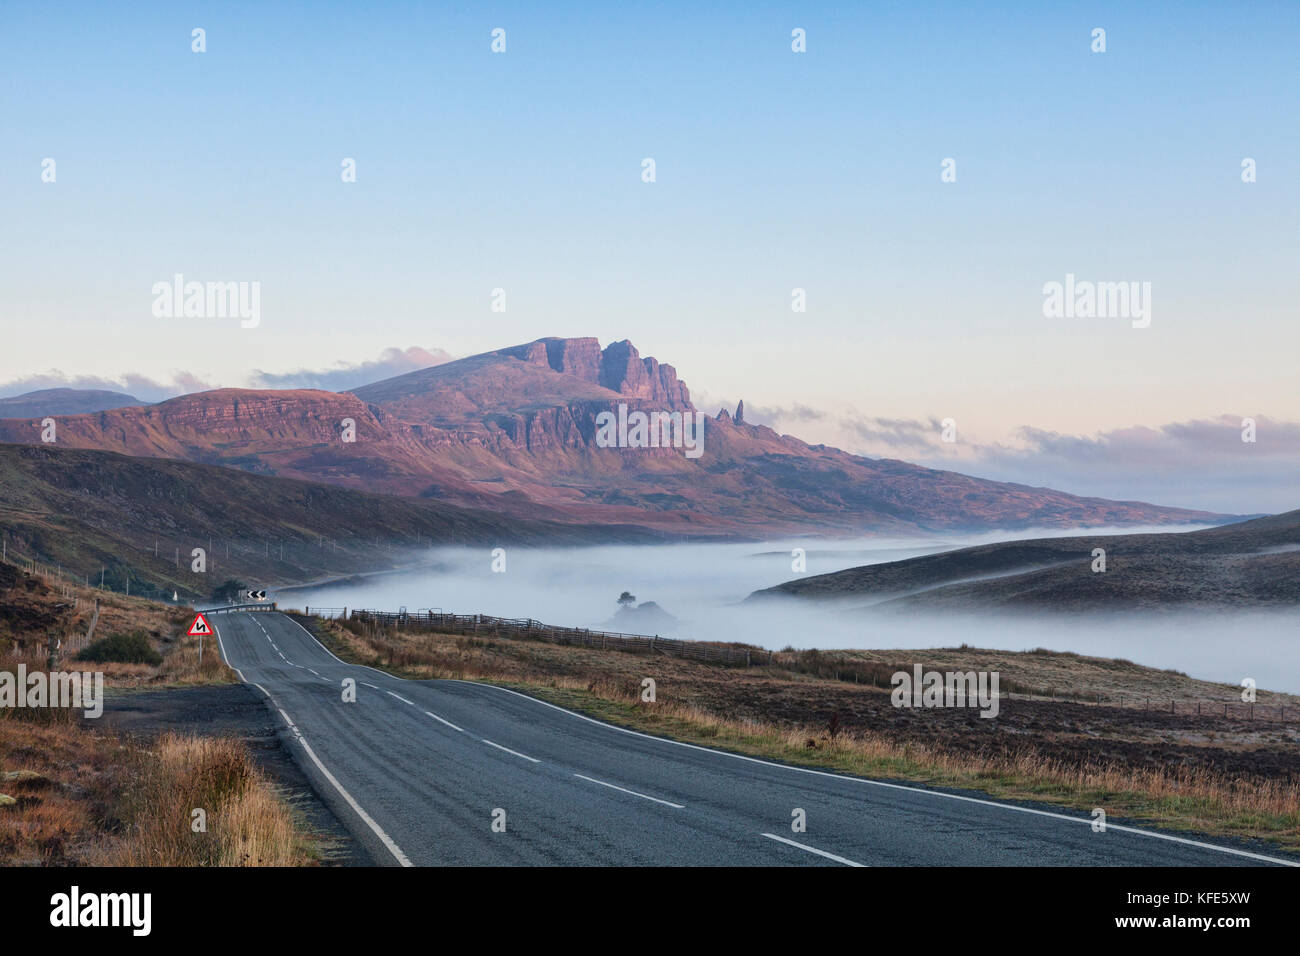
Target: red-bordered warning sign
[{"x": 200, "y": 627}]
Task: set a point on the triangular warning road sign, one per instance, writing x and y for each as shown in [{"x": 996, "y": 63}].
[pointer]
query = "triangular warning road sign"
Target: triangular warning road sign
[{"x": 200, "y": 627}]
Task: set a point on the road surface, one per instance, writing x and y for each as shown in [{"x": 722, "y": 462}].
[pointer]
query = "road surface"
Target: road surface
[{"x": 420, "y": 771}]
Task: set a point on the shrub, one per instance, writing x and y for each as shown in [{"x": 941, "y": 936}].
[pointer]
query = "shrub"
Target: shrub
[{"x": 123, "y": 648}]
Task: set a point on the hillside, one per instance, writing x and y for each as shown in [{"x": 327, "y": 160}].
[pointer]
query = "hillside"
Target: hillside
[
  {"x": 86, "y": 510},
  {"x": 1249, "y": 564},
  {"x": 63, "y": 401},
  {"x": 514, "y": 431}
]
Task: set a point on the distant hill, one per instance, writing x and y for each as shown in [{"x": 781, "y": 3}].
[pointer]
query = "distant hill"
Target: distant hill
[
  {"x": 1248, "y": 564},
  {"x": 64, "y": 401},
  {"x": 84, "y": 510},
  {"x": 514, "y": 431}
]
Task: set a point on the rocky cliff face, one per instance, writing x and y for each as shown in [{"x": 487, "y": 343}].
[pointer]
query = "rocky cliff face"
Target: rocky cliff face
[
  {"x": 514, "y": 430},
  {"x": 618, "y": 368},
  {"x": 625, "y": 372}
]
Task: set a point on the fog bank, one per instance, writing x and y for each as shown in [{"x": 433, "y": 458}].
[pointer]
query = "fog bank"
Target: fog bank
[{"x": 703, "y": 585}]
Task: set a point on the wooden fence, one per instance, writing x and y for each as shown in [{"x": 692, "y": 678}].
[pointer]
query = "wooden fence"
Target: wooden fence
[
  {"x": 527, "y": 627},
  {"x": 1236, "y": 710}
]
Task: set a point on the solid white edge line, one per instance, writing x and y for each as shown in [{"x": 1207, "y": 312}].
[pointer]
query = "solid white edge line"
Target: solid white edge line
[
  {"x": 1153, "y": 834},
  {"x": 366, "y": 818},
  {"x": 813, "y": 849},
  {"x": 667, "y": 803},
  {"x": 508, "y": 750},
  {"x": 894, "y": 786}
]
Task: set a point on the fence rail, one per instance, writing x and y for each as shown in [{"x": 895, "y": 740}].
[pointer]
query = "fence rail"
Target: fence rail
[
  {"x": 327, "y": 612},
  {"x": 265, "y": 606},
  {"x": 610, "y": 640}
]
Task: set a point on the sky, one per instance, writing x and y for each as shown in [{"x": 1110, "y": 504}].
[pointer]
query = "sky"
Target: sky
[{"x": 774, "y": 171}]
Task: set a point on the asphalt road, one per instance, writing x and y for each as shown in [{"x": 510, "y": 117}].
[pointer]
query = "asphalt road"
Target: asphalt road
[{"x": 419, "y": 771}]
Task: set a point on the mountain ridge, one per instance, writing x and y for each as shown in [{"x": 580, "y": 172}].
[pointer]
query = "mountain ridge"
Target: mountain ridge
[
  {"x": 514, "y": 430},
  {"x": 44, "y": 402}
]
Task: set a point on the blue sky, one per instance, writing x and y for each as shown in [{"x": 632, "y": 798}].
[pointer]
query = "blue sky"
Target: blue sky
[{"x": 775, "y": 170}]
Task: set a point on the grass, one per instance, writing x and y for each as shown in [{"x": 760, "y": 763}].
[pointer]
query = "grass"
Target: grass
[
  {"x": 140, "y": 642},
  {"x": 245, "y": 823},
  {"x": 724, "y": 707},
  {"x": 71, "y": 795},
  {"x": 85, "y": 798}
]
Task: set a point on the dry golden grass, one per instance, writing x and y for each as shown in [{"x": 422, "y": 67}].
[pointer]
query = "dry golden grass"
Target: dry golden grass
[
  {"x": 41, "y": 605},
  {"x": 246, "y": 822},
  {"x": 87, "y": 798},
  {"x": 1063, "y": 674},
  {"x": 79, "y": 796},
  {"x": 64, "y": 785}
]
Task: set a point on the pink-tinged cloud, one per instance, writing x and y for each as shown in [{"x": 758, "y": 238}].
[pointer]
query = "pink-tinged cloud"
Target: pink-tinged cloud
[
  {"x": 344, "y": 376},
  {"x": 340, "y": 378}
]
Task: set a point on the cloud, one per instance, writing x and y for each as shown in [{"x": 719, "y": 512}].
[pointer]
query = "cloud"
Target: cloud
[
  {"x": 1201, "y": 463},
  {"x": 131, "y": 383},
  {"x": 1172, "y": 447},
  {"x": 342, "y": 377},
  {"x": 863, "y": 434},
  {"x": 894, "y": 434},
  {"x": 774, "y": 417},
  {"x": 346, "y": 376}
]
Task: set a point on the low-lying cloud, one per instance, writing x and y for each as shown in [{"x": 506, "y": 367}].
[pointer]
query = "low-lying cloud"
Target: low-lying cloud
[
  {"x": 1200, "y": 463},
  {"x": 344, "y": 376},
  {"x": 131, "y": 383},
  {"x": 340, "y": 378}
]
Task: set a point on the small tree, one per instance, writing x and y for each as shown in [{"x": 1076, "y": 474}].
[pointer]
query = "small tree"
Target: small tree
[
  {"x": 626, "y": 599},
  {"x": 229, "y": 591}
]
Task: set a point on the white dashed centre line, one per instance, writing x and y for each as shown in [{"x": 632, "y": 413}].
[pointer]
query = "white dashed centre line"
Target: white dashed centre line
[
  {"x": 429, "y": 713},
  {"x": 667, "y": 803},
  {"x": 813, "y": 849},
  {"x": 509, "y": 751}
]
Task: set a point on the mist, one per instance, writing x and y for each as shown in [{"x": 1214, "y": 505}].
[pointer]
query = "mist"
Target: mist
[{"x": 703, "y": 587}]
